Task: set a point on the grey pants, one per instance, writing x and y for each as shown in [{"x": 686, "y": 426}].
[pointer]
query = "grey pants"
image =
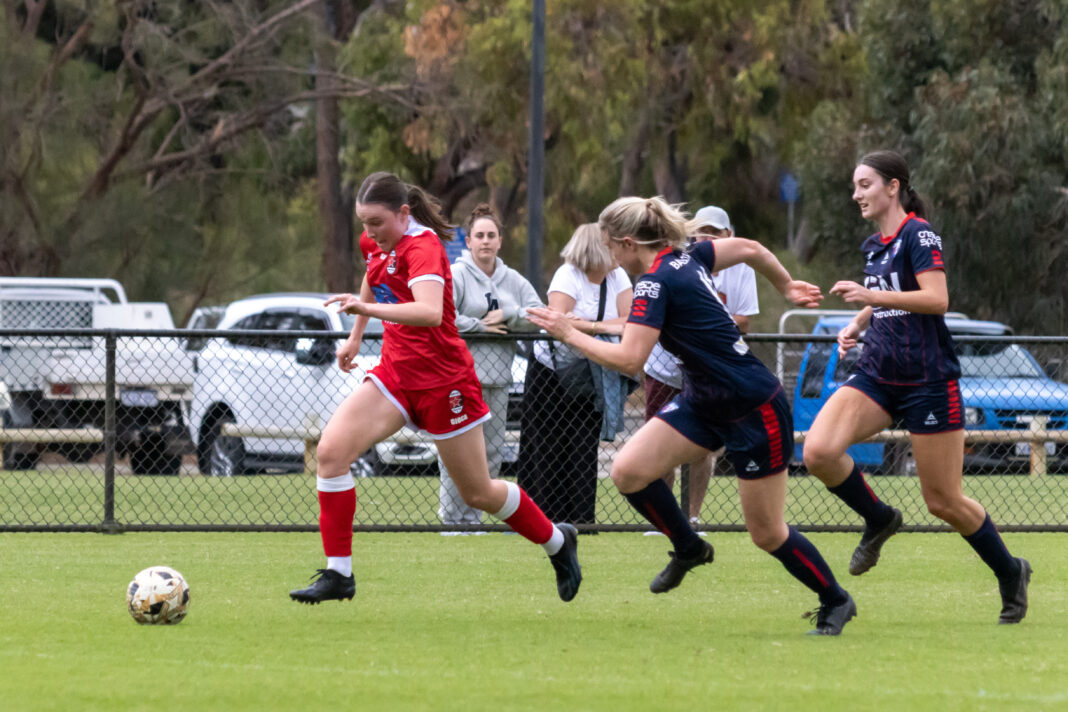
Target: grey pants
[{"x": 452, "y": 508}]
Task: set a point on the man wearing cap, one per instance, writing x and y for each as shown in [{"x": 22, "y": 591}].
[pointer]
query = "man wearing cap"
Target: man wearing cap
[{"x": 737, "y": 290}]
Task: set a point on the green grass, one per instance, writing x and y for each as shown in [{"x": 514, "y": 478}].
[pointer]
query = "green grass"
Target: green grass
[
  {"x": 474, "y": 623},
  {"x": 74, "y": 496}
]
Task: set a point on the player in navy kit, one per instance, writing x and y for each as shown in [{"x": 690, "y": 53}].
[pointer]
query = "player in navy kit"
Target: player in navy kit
[
  {"x": 907, "y": 370},
  {"x": 426, "y": 378},
  {"x": 729, "y": 397}
]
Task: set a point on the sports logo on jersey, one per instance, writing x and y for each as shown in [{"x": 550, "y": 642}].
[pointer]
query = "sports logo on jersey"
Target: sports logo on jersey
[
  {"x": 456, "y": 401},
  {"x": 929, "y": 239},
  {"x": 740, "y": 346},
  {"x": 392, "y": 266},
  {"x": 752, "y": 467},
  {"x": 647, "y": 289},
  {"x": 672, "y": 406},
  {"x": 931, "y": 419},
  {"x": 383, "y": 294}
]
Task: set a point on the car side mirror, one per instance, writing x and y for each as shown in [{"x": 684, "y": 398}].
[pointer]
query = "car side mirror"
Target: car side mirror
[{"x": 314, "y": 352}]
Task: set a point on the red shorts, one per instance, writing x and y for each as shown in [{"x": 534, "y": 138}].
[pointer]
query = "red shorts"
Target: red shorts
[{"x": 443, "y": 411}]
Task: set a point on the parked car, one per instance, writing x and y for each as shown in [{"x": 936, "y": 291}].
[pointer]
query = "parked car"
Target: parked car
[
  {"x": 282, "y": 381},
  {"x": 1002, "y": 387}
]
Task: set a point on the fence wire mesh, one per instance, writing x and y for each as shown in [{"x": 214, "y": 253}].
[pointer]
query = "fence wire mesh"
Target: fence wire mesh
[{"x": 204, "y": 429}]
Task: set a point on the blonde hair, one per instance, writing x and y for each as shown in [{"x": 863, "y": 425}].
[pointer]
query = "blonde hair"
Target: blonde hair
[
  {"x": 648, "y": 221},
  {"x": 586, "y": 250}
]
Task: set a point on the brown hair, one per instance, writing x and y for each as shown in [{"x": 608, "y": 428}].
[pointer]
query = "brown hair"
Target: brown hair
[
  {"x": 890, "y": 165},
  {"x": 483, "y": 210},
  {"x": 386, "y": 189}
]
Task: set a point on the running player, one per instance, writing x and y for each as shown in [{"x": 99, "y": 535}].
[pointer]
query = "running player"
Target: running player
[
  {"x": 907, "y": 370},
  {"x": 729, "y": 397},
  {"x": 426, "y": 378}
]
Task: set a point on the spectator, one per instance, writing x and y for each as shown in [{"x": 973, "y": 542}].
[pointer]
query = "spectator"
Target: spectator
[
  {"x": 491, "y": 298},
  {"x": 559, "y": 428},
  {"x": 736, "y": 287}
]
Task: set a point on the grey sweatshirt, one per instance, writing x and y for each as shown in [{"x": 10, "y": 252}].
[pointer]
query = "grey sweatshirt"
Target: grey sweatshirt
[{"x": 476, "y": 294}]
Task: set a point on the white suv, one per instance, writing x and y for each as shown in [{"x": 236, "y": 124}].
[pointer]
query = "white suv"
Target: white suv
[{"x": 259, "y": 381}]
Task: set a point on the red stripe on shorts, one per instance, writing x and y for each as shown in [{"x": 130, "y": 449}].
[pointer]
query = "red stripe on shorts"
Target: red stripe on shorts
[
  {"x": 953, "y": 390},
  {"x": 771, "y": 427}
]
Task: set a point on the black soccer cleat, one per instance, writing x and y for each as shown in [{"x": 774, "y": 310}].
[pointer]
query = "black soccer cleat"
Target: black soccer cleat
[
  {"x": 329, "y": 585},
  {"x": 678, "y": 567},
  {"x": 565, "y": 562},
  {"x": 866, "y": 555},
  {"x": 1014, "y": 595},
  {"x": 831, "y": 618}
]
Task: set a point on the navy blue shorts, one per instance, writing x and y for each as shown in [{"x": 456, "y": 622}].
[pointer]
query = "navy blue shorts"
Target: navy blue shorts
[
  {"x": 924, "y": 408},
  {"x": 758, "y": 444}
]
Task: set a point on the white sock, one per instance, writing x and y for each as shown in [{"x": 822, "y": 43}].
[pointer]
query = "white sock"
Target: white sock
[
  {"x": 555, "y": 543},
  {"x": 341, "y": 564}
]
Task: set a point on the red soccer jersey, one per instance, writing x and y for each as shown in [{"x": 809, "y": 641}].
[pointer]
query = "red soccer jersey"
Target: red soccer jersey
[{"x": 419, "y": 356}]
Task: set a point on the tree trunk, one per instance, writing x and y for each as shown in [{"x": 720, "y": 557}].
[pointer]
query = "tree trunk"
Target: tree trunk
[{"x": 335, "y": 207}]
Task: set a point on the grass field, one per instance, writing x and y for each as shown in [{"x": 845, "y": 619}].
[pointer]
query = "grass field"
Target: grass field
[
  {"x": 473, "y": 623},
  {"x": 73, "y": 495}
]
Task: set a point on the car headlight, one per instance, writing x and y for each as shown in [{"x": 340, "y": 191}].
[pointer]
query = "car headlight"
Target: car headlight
[{"x": 973, "y": 416}]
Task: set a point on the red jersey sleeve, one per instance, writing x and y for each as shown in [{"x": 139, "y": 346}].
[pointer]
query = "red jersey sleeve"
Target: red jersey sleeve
[{"x": 425, "y": 258}]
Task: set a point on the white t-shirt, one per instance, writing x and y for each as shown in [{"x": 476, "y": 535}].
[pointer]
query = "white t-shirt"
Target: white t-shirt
[
  {"x": 737, "y": 288},
  {"x": 572, "y": 281}
]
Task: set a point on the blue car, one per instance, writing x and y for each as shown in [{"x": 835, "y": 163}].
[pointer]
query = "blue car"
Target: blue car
[{"x": 1002, "y": 385}]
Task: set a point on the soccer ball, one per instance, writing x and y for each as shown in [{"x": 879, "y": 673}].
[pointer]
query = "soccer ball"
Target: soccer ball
[{"x": 158, "y": 594}]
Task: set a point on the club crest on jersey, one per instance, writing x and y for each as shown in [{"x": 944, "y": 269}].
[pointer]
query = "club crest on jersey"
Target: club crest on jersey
[
  {"x": 392, "y": 266},
  {"x": 456, "y": 401}
]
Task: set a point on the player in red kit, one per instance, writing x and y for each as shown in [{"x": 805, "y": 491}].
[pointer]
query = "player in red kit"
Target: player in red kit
[{"x": 426, "y": 379}]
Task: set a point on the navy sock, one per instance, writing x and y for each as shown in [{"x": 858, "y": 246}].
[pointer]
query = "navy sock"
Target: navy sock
[
  {"x": 657, "y": 504},
  {"x": 804, "y": 562},
  {"x": 855, "y": 492},
  {"x": 992, "y": 550}
]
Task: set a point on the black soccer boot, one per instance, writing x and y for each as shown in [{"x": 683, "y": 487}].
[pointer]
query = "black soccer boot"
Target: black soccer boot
[
  {"x": 831, "y": 618},
  {"x": 866, "y": 555},
  {"x": 678, "y": 567},
  {"x": 329, "y": 585},
  {"x": 565, "y": 562},
  {"x": 1014, "y": 595}
]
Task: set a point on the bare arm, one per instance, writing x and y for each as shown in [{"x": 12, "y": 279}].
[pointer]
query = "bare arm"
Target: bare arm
[
  {"x": 425, "y": 310},
  {"x": 931, "y": 298},
  {"x": 628, "y": 356},
  {"x": 563, "y": 303},
  {"x": 734, "y": 250}
]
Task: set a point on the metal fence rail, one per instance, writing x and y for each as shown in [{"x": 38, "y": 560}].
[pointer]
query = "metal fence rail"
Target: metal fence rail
[{"x": 108, "y": 430}]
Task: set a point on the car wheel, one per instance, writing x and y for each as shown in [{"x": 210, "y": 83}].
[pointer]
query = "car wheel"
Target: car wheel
[{"x": 226, "y": 454}]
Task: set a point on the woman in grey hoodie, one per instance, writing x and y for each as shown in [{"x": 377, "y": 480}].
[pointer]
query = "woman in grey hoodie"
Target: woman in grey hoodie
[{"x": 491, "y": 298}]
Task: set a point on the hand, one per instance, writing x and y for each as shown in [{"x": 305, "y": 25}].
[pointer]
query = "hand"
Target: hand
[
  {"x": 346, "y": 353},
  {"x": 494, "y": 322},
  {"x": 854, "y": 293},
  {"x": 556, "y": 324},
  {"x": 803, "y": 294},
  {"x": 847, "y": 338},
  {"x": 348, "y": 303}
]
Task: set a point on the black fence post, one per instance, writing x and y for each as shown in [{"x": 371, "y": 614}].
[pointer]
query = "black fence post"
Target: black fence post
[{"x": 109, "y": 525}]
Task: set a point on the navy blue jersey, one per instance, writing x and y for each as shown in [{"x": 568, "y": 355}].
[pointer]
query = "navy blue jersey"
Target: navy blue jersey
[
  {"x": 677, "y": 297},
  {"x": 901, "y": 347}
]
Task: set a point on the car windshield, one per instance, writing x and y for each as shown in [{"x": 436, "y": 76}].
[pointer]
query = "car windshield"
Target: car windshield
[{"x": 997, "y": 361}]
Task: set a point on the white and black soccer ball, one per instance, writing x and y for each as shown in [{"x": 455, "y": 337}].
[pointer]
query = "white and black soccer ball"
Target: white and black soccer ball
[{"x": 159, "y": 594}]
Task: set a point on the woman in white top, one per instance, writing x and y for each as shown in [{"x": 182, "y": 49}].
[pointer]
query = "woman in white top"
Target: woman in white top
[{"x": 560, "y": 430}]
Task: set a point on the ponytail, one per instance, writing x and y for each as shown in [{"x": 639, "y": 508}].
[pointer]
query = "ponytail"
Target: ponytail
[
  {"x": 913, "y": 203},
  {"x": 648, "y": 221},
  {"x": 383, "y": 188}
]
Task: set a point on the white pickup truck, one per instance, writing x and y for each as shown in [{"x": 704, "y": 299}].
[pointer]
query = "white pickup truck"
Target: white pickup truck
[
  {"x": 59, "y": 382},
  {"x": 266, "y": 383}
]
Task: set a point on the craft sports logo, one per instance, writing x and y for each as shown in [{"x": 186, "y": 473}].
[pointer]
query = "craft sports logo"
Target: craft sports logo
[
  {"x": 646, "y": 288},
  {"x": 929, "y": 239},
  {"x": 456, "y": 401}
]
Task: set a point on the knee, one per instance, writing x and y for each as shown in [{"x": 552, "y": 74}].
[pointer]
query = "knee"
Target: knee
[
  {"x": 333, "y": 457},
  {"x": 819, "y": 455},
  {"x": 624, "y": 478},
  {"x": 480, "y": 498},
  {"x": 940, "y": 505},
  {"x": 767, "y": 536}
]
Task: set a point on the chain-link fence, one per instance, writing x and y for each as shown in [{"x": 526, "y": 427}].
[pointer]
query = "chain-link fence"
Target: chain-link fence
[{"x": 198, "y": 429}]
